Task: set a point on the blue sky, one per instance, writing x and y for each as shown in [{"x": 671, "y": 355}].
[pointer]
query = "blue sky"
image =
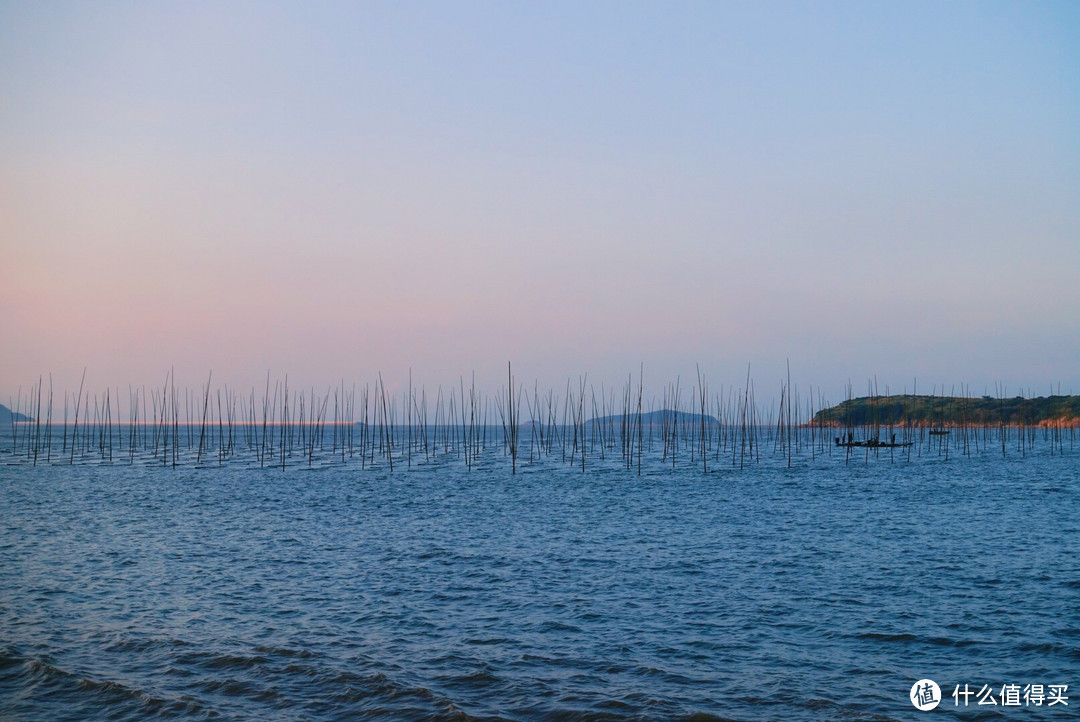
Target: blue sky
[{"x": 866, "y": 189}]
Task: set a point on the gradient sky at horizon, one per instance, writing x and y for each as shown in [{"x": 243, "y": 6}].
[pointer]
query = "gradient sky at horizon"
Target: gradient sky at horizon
[{"x": 330, "y": 190}]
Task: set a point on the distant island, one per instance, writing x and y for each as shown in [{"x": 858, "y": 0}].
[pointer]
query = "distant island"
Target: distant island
[
  {"x": 655, "y": 418},
  {"x": 952, "y": 411},
  {"x": 6, "y": 416}
]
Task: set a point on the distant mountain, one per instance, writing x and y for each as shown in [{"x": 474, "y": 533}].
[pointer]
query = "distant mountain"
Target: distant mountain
[
  {"x": 655, "y": 418},
  {"x": 5, "y": 415}
]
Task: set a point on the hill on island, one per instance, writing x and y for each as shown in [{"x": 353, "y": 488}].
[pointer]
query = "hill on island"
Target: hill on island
[
  {"x": 6, "y": 415},
  {"x": 952, "y": 411}
]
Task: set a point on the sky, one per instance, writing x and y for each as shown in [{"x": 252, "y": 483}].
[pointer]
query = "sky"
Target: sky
[{"x": 866, "y": 191}]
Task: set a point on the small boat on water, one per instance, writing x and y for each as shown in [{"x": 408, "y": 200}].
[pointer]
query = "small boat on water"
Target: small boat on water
[
  {"x": 872, "y": 443},
  {"x": 939, "y": 432}
]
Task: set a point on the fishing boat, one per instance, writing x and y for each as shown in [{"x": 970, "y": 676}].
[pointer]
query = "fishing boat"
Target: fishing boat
[{"x": 872, "y": 443}]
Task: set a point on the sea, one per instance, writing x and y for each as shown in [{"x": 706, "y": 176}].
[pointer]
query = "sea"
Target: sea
[{"x": 828, "y": 584}]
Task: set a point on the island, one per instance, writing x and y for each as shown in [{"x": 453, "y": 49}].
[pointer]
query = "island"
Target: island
[{"x": 951, "y": 411}]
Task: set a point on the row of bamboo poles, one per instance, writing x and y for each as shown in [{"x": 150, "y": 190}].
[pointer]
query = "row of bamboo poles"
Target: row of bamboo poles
[{"x": 283, "y": 426}]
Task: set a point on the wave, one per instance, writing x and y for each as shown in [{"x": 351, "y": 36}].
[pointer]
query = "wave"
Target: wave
[{"x": 40, "y": 689}]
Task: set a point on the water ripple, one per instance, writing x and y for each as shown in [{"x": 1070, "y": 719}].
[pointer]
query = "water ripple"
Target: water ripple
[{"x": 821, "y": 592}]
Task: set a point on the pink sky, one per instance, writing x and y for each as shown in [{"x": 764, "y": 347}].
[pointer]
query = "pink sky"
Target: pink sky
[{"x": 331, "y": 193}]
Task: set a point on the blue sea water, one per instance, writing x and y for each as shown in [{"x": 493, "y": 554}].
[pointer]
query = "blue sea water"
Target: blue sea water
[{"x": 129, "y": 590}]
